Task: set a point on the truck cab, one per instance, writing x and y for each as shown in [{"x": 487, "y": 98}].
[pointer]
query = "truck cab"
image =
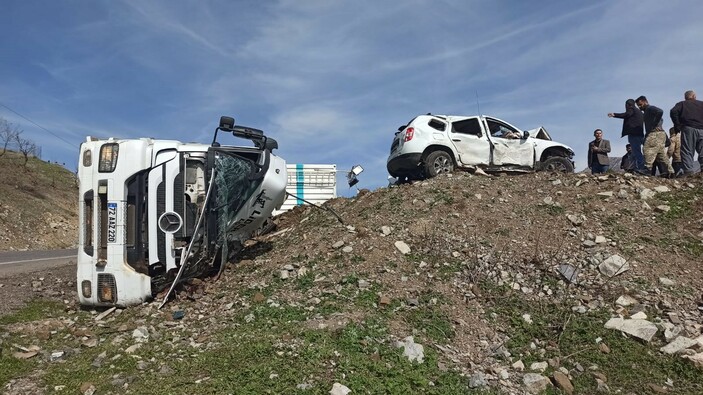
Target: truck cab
[{"x": 153, "y": 212}]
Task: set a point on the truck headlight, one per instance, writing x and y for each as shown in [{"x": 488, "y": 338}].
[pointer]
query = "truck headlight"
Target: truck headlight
[
  {"x": 86, "y": 288},
  {"x": 108, "y": 157}
]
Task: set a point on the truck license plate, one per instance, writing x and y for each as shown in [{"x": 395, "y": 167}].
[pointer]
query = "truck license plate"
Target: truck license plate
[{"x": 112, "y": 222}]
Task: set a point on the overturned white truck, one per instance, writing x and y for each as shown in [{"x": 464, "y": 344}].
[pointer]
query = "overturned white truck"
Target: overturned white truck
[{"x": 155, "y": 212}]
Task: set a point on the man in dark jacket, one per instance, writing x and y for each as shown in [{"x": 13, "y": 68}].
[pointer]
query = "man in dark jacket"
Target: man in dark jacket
[
  {"x": 627, "y": 162},
  {"x": 655, "y": 136},
  {"x": 598, "y": 153},
  {"x": 687, "y": 116},
  {"x": 633, "y": 129}
]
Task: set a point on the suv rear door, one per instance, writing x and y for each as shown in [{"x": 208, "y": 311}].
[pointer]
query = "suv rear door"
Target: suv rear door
[
  {"x": 509, "y": 151},
  {"x": 470, "y": 141}
]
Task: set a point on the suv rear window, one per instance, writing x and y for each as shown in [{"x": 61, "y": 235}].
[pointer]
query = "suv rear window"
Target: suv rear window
[
  {"x": 437, "y": 124},
  {"x": 467, "y": 126}
]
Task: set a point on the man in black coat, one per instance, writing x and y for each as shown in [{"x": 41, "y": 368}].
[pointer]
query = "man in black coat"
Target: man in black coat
[
  {"x": 655, "y": 136},
  {"x": 687, "y": 116},
  {"x": 627, "y": 162},
  {"x": 633, "y": 129}
]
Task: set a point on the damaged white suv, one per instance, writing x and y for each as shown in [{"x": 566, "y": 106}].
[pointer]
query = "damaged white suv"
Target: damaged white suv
[{"x": 432, "y": 144}]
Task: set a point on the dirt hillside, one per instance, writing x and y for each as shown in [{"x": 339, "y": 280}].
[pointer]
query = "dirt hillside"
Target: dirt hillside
[
  {"x": 508, "y": 284},
  {"x": 38, "y": 205}
]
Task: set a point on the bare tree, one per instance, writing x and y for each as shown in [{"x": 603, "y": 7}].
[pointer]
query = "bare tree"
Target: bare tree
[
  {"x": 8, "y": 134},
  {"x": 26, "y": 147}
]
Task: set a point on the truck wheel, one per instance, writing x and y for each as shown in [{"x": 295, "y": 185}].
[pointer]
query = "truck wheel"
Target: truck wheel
[
  {"x": 438, "y": 162},
  {"x": 558, "y": 164}
]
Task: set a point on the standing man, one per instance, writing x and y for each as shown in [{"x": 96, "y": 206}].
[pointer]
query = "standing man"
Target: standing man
[
  {"x": 687, "y": 116},
  {"x": 655, "y": 137},
  {"x": 633, "y": 129},
  {"x": 598, "y": 153},
  {"x": 627, "y": 162},
  {"x": 674, "y": 151}
]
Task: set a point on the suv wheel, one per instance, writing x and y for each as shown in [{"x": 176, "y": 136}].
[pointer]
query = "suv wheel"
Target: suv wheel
[
  {"x": 438, "y": 162},
  {"x": 558, "y": 164}
]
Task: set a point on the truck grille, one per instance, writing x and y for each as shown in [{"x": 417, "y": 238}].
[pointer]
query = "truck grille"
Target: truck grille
[{"x": 107, "y": 288}]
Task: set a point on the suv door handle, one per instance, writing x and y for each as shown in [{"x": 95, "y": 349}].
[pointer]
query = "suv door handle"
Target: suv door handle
[{"x": 456, "y": 139}]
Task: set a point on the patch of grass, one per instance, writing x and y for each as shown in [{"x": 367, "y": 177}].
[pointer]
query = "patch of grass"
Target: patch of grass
[
  {"x": 306, "y": 282},
  {"x": 629, "y": 366},
  {"x": 502, "y": 232},
  {"x": 686, "y": 244},
  {"x": 36, "y": 309},
  {"x": 271, "y": 313},
  {"x": 681, "y": 204},
  {"x": 255, "y": 360},
  {"x": 357, "y": 259},
  {"x": 274, "y": 353},
  {"x": 299, "y": 258},
  {"x": 394, "y": 198},
  {"x": 11, "y": 367},
  {"x": 447, "y": 269},
  {"x": 552, "y": 209},
  {"x": 350, "y": 279},
  {"x": 432, "y": 322},
  {"x": 692, "y": 246},
  {"x": 442, "y": 196}
]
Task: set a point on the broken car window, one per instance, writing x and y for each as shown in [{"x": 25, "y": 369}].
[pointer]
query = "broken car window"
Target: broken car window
[{"x": 467, "y": 126}]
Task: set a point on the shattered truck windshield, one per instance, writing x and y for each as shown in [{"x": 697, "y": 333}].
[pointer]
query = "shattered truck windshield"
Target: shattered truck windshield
[{"x": 234, "y": 187}]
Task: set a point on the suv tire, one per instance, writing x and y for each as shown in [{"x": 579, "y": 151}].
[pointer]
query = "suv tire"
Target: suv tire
[
  {"x": 558, "y": 164},
  {"x": 438, "y": 162}
]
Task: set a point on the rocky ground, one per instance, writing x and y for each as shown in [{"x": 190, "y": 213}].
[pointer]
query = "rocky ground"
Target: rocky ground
[{"x": 512, "y": 284}]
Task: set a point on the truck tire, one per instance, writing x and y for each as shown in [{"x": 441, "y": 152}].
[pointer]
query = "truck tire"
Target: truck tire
[
  {"x": 438, "y": 162},
  {"x": 558, "y": 164}
]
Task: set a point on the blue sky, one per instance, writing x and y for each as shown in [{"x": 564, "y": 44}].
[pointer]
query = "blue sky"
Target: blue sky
[{"x": 332, "y": 80}]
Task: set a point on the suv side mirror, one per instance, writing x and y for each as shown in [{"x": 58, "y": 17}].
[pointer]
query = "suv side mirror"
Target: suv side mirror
[{"x": 525, "y": 135}]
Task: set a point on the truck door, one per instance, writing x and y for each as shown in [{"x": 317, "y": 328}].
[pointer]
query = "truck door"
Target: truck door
[
  {"x": 509, "y": 148},
  {"x": 470, "y": 142}
]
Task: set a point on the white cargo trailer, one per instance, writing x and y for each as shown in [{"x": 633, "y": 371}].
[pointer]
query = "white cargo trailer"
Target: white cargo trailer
[{"x": 309, "y": 182}]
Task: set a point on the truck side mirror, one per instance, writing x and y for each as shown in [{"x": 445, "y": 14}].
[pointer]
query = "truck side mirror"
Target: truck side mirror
[
  {"x": 271, "y": 144},
  {"x": 226, "y": 123}
]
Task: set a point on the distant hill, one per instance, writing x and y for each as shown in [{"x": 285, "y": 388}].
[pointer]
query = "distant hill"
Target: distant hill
[{"x": 38, "y": 204}]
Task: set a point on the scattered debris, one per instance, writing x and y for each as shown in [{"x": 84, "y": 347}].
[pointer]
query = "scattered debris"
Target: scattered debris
[
  {"x": 339, "y": 389},
  {"x": 402, "y": 247},
  {"x": 614, "y": 265},
  {"x": 411, "y": 350},
  {"x": 641, "y": 329}
]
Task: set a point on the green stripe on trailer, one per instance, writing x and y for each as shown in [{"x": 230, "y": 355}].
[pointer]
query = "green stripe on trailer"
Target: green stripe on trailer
[{"x": 300, "y": 183}]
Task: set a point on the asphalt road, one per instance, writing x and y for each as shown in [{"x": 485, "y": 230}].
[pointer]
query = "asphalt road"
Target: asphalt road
[{"x": 15, "y": 262}]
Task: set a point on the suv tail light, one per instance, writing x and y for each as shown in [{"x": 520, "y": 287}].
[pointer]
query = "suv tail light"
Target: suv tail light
[{"x": 409, "y": 133}]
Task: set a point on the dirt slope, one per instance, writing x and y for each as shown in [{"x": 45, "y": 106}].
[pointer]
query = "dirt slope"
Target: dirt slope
[
  {"x": 469, "y": 266},
  {"x": 38, "y": 205},
  {"x": 466, "y": 232}
]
